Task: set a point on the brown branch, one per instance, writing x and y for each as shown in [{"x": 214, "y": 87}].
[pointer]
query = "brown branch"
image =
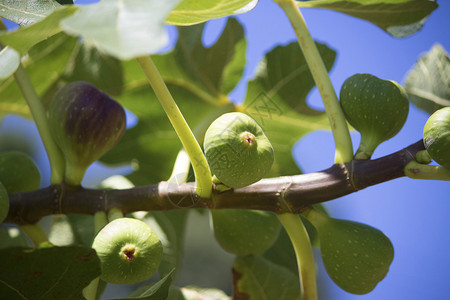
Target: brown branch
[{"x": 281, "y": 194}]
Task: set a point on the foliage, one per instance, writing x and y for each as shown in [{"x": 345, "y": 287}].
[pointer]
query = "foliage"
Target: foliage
[{"x": 108, "y": 44}]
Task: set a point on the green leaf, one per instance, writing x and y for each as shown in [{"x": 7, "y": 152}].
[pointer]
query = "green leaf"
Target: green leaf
[
  {"x": 27, "y": 12},
  {"x": 72, "y": 229},
  {"x": 428, "y": 81},
  {"x": 9, "y": 61},
  {"x": 12, "y": 237},
  {"x": 156, "y": 291},
  {"x": 47, "y": 273},
  {"x": 24, "y": 38},
  {"x": 256, "y": 278},
  {"x": 4, "y": 203},
  {"x": 285, "y": 72},
  {"x": 18, "y": 172},
  {"x": 44, "y": 65},
  {"x": 276, "y": 99},
  {"x": 170, "y": 227},
  {"x": 209, "y": 72},
  {"x": 189, "y": 12},
  {"x": 399, "y": 18},
  {"x": 198, "y": 79},
  {"x": 99, "y": 69},
  {"x": 124, "y": 29}
]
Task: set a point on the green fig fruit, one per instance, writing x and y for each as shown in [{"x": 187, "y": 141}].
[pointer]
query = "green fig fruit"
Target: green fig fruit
[
  {"x": 376, "y": 108},
  {"x": 129, "y": 251},
  {"x": 85, "y": 123},
  {"x": 237, "y": 150},
  {"x": 356, "y": 256},
  {"x": 18, "y": 172},
  {"x": 436, "y": 136},
  {"x": 245, "y": 232},
  {"x": 4, "y": 203}
]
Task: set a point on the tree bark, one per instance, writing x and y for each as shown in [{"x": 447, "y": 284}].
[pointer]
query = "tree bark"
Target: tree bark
[{"x": 279, "y": 195}]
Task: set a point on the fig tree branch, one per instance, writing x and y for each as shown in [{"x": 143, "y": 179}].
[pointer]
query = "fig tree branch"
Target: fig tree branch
[{"x": 280, "y": 195}]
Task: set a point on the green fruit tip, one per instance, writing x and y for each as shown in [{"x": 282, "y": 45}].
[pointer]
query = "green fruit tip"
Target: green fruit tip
[
  {"x": 375, "y": 107},
  {"x": 237, "y": 150},
  {"x": 129, "y": 251},
  {"x": 356, "y": 256},
  {"x": 436, "y": 136}
]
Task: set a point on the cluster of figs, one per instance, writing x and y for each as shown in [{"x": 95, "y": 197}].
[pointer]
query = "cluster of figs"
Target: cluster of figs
[{"x": 86, "y": 123}]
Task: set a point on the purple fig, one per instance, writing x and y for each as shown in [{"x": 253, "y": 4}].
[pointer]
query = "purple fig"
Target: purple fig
[{"x": 86, "y": 123}]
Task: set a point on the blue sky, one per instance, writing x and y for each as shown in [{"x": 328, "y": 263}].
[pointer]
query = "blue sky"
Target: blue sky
[{"x": 413, "y": 214}]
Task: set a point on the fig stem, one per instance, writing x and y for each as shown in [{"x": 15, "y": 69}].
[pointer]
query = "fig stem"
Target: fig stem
[
  {"x": 180, "y": 169},
  {"x": 55, "y": 156},
  {"x": 35, "y": 233},
  {"x": 100, "y": 221},
  {"x": 114, "y": 213},
  {"x": 303, "y": 251},
  {"x": 417, "y": 170},
  {"x": 338, "y": 123},
  {"x": 187, "y": 138}
]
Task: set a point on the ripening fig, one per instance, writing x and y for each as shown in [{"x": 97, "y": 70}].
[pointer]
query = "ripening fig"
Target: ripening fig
[
  {"x": 356, "y": 256},
  {"x": 237, "y": 150},
  {"x": 245, "y": 232},
  {"x": 376, "y": 108},
  {"x": 18, "y": 172},
  {"x": 4, "y": 203},
  {"x": 85, "y": 123},
  {"x": 129, "y": 251},
  {"x": 436, "y": 136}
]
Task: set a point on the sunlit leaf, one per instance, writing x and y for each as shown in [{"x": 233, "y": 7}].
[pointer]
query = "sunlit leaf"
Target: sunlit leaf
[
  {"x": 72, "y": 229},
  {"x": 27, "y": 12},
  {"x": 256, "y": 278},
  {"x": 428, "y": 81},
  {"x": 44, "y": 65},
  {"x": 9, "y": 61},
  {"x": 196, "y": 293},
  {"x": 12, "y": 236},
  {"x": 155, "y": 291},
  {"x": 276, "y": 99},
  {"x": 399, "y": 18},
  {"x": 209, "y": 72},
  {"x": 124, "y": 29},
  {"x": 47, "y": 273},
  {"x": 24, "y": 38},
  {"x": 99, "y": 69},
  {"x": 198, "y": 78},
  {"x": 189, "y": 12}
]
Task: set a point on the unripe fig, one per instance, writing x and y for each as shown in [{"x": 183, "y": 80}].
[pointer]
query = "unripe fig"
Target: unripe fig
[
  {"x": 356, "y": 256},
  {"x": 237, "y": 150},
  {"x": 4, "y": 203},
  {"x": 245, "y": 232},
  {"x": 436, "y": 136},
  {"x": 18, "y": 173},
  {"x": 129, "y": 251},
  {"x": 85, "y": 123},
  {"x": 376, "y": 108}
]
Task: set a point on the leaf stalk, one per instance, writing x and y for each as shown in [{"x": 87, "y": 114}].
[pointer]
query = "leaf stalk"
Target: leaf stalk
[
  {"x": 55, "y": 156},
  {"x": 339, "y": 128},
  {"x": 303, "y": 251},
  {"x": 187, "y": 138}
]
